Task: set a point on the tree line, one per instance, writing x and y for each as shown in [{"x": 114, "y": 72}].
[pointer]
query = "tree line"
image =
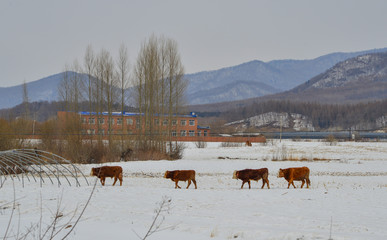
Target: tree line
[{"x": 360, "y": 116}]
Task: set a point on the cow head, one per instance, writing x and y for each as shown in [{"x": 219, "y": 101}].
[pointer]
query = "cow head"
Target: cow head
[
  {"x": 280, "y": 173},
  {"x": 92, "y": 172},
  {"x": 95, "y": 172},
  {"x": 234, "y": 175},
  {"x": 167, "y": 174}
]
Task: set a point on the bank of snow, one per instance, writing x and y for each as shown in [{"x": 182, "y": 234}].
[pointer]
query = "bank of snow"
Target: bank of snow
[{"x": 350, "y": 187}]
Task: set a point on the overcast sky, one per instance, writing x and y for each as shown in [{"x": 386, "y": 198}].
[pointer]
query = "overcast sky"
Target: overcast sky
[{"x": 37, "y": 38}]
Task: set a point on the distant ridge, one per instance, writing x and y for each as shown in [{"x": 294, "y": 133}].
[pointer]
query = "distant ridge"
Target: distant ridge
[
  {"x": 359, "y": 79},
  {"x": 45, "y": 89},
  {"x": 248, "y": 80},
  {"x": 271, "y": 77}
]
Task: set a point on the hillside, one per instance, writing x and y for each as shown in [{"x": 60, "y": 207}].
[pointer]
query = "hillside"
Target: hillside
[
  {"x": 355, "y": 80},
  {"x": 45, "y": 89},
  {"x": 358, "y": 79},
  {"x": 268, "y": 77}
]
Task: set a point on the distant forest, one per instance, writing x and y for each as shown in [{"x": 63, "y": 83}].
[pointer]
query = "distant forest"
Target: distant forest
[
  {"x": 43, "y": 111},
  {"x": 361, "y": 116}
]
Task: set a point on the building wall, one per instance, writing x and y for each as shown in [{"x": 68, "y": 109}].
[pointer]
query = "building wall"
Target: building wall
[
  {"x": 133, "y": 128},
  {"x": 129, "y": 123}
]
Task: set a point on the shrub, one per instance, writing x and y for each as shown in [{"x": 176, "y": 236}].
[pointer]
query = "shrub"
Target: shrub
[
  {"x": 231, "y": 144},
  {"x": 201, "y": 144},
  {"x": 331, "y": 140}
]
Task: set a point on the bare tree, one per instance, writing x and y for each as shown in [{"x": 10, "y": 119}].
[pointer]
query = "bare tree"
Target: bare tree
[
  {"x": 160, "y": 88},
  {"x": 147, "y": 75},
  {"x": 158, "y": 219},
  {"x": 123, "y": 72},
  {"x": 64, "y": 89},
  {"x": 177, "y": 86},
  {"x": 70, "y": 87},
  {"x": 123, "y": 80},
  {"x": 89, "y": 65},
  {"x": 26, "y": 101}
]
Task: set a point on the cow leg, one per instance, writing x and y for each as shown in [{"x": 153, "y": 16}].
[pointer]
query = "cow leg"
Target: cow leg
[
  {"x": 194, "y": 181},
  {"x": 115, "y": 180},
  {"x": 176, "y": 185},
  {"x": 243, "y": 183},
  {"x": 303, "y": 182},
  {"x": 189, "y": 183},
  {"x": 291, "y": 182},
  {"x": 249, "y": 184},
  {"x": 267, "y": 183},
  {"x": 103, "y": 181}
]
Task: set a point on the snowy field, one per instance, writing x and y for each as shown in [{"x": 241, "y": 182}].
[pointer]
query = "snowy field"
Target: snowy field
[{"x": 348, "y": 186}]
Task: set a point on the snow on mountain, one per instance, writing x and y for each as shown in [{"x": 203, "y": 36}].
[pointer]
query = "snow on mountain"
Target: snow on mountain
[{"x": 295, "y": 121}]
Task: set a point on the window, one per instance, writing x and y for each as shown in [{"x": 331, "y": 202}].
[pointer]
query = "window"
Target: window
[
  {"x": 157, "y": 122},
  {"x": 183, "y": 122},
  {"x": 101, "y": 132},
  {"x": 174, "y": 122},
  {"x": 192, "y": 122},
  {"x": 199, "y": 133},
  {"x": 173, "y": 133},
  {"x": 183, "y": 133},
  {"x": 119, "y": 121},
  {"x": 129, "y": 121},
  {"x": 84, "y": 120},
  {"x": 91, "y": 121},
  {"x": 205, "y": 133},
  {"x": 191, "y": 133},
  {"x": 91, "y": 131},
  {"x": 112, "y": 121},
  {"x": 101, "y": 120},
  {"x": 165, "y": 122}
]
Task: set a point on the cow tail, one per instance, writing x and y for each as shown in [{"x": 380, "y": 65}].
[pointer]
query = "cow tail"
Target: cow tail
[{"x": 265, "y": 175}]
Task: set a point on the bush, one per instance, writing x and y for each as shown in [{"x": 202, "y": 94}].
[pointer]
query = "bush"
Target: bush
[
  {"x": 176, "y": 152},
  {"x": 231, "y": 144},
  {"x": 331, "y": 140},
  {"x": 201, "y": 144}
]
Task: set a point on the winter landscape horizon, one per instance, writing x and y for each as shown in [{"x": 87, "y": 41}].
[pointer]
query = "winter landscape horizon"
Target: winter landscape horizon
[{"x": 346, "y": 199}]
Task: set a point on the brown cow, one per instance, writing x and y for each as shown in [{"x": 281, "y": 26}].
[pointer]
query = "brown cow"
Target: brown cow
[
  {"x": 108, "y": 171},
  {"x": 295, "y": 174},
  {"x": 181, "y": 175},
  {"x": 252, "y": 174}
]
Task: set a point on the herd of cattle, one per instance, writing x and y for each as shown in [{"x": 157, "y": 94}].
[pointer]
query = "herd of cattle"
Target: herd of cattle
[{"x": 246, "y": 175}]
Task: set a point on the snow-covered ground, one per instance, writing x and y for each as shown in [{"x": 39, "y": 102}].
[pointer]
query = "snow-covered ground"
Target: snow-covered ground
[{"x": 349, "y": 187}]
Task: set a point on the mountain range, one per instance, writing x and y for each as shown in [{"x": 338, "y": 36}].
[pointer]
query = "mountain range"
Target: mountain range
[
  {"x": 359, "y": 79},
  {"x": 248, "y": 80},
  {"x": 257, "y": 78}
]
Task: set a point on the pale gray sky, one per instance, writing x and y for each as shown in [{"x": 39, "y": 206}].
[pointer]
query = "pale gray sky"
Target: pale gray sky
[{"x": 37, "y": 38}]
